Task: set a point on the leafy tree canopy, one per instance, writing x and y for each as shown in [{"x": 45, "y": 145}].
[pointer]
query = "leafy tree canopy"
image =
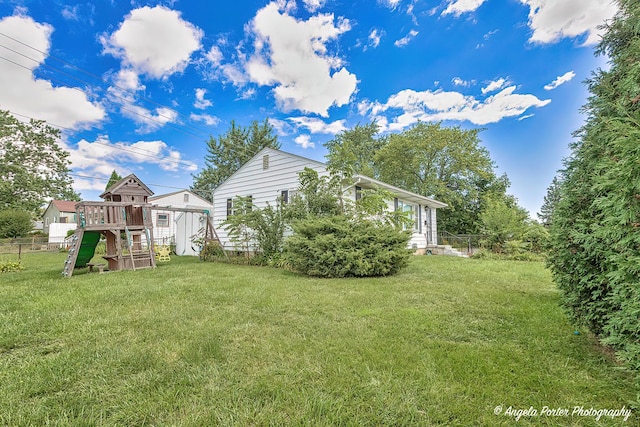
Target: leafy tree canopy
[
  {"x": 33, "y": 167},
  {"x": 231, "y": 150},
  {"x": 15, "y": 223},
  {"x": 447, "y": 163}
]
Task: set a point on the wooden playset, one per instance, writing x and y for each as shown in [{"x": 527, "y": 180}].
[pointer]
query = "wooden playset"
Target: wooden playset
[{"x": 124, "y": 219}]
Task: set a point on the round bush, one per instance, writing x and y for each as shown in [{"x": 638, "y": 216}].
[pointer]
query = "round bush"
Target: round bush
[{"x": 339, "y": 247}]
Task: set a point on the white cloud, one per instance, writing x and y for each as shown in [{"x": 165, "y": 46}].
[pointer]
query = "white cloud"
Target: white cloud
[
  {"x": 102, "y": 156},
  {"x": 22, "y": 93},
  {"x": 70, "y": 13},
  {"x": 214, "y": 56},
  {"x": 494, "y": 85},
  {"x": 374, "y": 38},
  {"x": 391, "y": 4},
  {"x": 292, "y": 56},
  {"x": 408, "y": 106},
  {"x": 234, "y": 74},
  {"x": 406, "y": 39},
  {"x": 552, "y": 20},
  {"x": 313, "y": 5},
  {"x": 282, "y": 127},
  {"x": 304, "y": 141},
  {"x": 527, "y": 116},
  {"x": 457, "y": 81},
  {"x": 206, "y": 118},
  {"x": 154, "y": 41},
  {"x": 200, "y": 102},
  {"x": 458, "y": 7},
  {"x": 568, "y": 76},
  {"x": 128, "y": 79},
  {"x": 315, "y": 125},
  {"x": 123, "y": 94}
]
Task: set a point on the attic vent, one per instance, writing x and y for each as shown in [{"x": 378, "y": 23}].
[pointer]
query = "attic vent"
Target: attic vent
[{"x": 265, "y": 162}]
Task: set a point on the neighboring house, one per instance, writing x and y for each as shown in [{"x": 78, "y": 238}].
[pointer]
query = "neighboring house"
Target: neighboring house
[
  {"x": 59, "y": 212},
  {"x": 271, "y": 174},
  {"x": 172, "y": 226}
]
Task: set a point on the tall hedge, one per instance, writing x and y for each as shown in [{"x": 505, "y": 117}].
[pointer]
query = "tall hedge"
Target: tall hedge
[
  {"x": 338, "y": 246},
  {"x": 595, "y": 231}
]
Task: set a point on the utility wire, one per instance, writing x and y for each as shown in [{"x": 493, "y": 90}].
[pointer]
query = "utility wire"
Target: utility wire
[
  {"x": 137, "y": 151},
  {"x": 69, "y": 64},
  {"x": 208, "y": 191},
  {"x": 112, "y": 94}
]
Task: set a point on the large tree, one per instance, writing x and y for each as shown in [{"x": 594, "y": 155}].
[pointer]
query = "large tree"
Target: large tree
[
  {"x": 33, "y": 167},
  {"x": 595, "y": 228},
  {"x": 352, "y": 151},
  {"x": 447, "y": 163},
  {"x": 231, "y": 150}
]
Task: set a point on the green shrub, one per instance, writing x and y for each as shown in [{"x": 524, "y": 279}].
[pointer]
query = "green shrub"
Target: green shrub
[
  {"x": 339, "y": 247},
  {"x": 10, "y": 266},
  {"x": 594, "y": 250},
  {"x": 101, "y": 248}
]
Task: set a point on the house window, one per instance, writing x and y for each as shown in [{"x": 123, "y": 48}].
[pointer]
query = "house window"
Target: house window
[
  {"x": 284, "y": 196},
  {"x": 358, "y": 193},
  {"x": 229, "y": 207},
  {"x": 185, "y": 199},
  {"x": 162, "y": 220},
  {"x": 265, "y": 162},
  {"x": 249, "y": 203},
  {"x": 63, "y": 220},
  {"x": 412, "y": 212}
]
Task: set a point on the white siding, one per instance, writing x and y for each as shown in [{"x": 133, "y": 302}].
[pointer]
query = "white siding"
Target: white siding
[
  {"x": 182, "y": 225},
  {"x": 266, "y": 185},
  {"x": 263, "y": 185}
]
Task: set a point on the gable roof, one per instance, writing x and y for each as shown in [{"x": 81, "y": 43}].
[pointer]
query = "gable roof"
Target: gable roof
[
  {"x": 261, "y": 153},
  {"x": 64, "y": 205},
  {"x": 162, "y": 196},
  {"x": 404, "y": 194},
  {"x": 128, "y": 181}
]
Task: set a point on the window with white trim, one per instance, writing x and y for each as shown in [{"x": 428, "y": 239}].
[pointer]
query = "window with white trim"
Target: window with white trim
[{"x": 162, "y": 220}]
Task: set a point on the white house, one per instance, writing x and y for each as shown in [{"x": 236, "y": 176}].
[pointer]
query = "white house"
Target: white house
[
  {"x": 59, "y": 212},
  {"x": 178, "y": 218},
  {"x": 58, "y": 219},
  {"x": 271, "y": 174}
]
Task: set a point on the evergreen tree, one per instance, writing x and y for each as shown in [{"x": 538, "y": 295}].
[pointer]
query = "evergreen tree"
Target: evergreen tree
[
  {"x": 228, "y": 152},
  {"x": 550, "y": 202},
  {"x": 595, "y": 231},
  {"x": 115, "y": 177}
]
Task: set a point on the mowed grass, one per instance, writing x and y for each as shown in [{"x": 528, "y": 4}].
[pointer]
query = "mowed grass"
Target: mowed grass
[{"x": 190, "y": 343}]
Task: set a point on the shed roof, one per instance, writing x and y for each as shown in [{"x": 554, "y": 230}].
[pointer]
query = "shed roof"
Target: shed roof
[{"x": 64, "y": 205}]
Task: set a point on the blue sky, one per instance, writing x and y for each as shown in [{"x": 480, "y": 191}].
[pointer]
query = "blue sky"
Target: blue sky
[{"x": 140, "y": 86}]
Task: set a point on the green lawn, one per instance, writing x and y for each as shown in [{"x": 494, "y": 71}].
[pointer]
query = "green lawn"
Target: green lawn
[{"x": 443, "y": 343}]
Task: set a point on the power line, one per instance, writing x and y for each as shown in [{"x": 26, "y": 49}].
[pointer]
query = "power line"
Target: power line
[
  {"x": 48, "y": 55},
  {"x": 137, "y": 151},
  {"x": 112, "y": 94},
  {"x": 199, "y": 190}
]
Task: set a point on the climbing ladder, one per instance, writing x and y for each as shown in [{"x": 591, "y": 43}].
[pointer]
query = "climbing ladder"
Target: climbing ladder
[
  {"x": 143, "y": 256},
  {"x": 83, "y": 248}
]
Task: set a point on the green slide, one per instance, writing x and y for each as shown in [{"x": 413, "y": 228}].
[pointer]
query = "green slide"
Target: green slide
[{"x": 87, "y": 248}]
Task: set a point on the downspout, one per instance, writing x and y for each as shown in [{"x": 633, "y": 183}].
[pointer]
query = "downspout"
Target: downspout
[{"x": 345, "y": 189}]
